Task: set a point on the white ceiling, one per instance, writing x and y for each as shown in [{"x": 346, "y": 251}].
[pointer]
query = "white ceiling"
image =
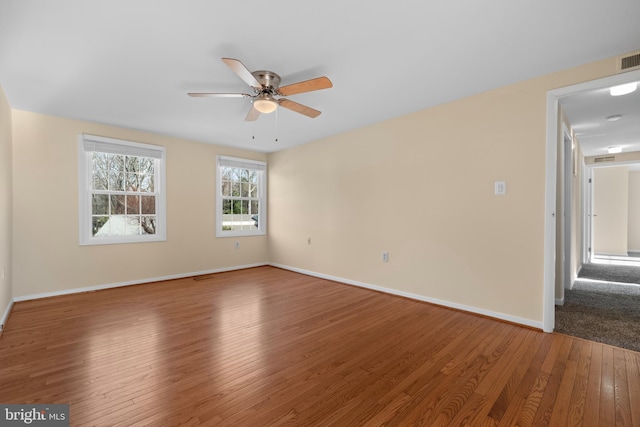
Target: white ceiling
[
  {"x": 131, "y": 63},
  {"x": 588, "y": 112}
]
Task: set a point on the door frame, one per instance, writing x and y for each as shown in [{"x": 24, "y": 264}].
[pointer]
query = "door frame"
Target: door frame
[
  {"x": 567, "y": 206},
  {"x": 587, "y": 213},
  {"x": 550, "y": 205}
]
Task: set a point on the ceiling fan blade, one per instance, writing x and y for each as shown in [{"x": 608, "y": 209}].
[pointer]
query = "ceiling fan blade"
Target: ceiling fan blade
[
  {"x": 219, "y": 95},
  {"x": 252, "y": 115},
  {"x": 242, "y": 72},
  {"x": 306, "y": 86},
  {"x": 299, "y": 108}
]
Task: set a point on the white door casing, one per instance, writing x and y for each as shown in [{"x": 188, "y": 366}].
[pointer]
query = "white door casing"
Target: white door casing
[{"x": 553, "y": 97}]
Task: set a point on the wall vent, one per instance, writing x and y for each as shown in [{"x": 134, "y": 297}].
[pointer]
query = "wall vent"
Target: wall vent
[
  {"x": 628, "y": 62},
  {"x": 604, "y": 159}
]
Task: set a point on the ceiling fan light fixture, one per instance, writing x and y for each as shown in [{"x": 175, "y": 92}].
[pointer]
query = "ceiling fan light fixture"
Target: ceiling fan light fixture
[
  {"x": 623, "y": 89},
  {"x": 614, "y": 149},
  {"x": 265, "y": 104}
]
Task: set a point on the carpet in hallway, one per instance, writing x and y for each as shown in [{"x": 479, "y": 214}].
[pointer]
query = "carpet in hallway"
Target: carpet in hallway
[
  {"x": 603, "y": 312},
  {"x": 610, "y": 273}
]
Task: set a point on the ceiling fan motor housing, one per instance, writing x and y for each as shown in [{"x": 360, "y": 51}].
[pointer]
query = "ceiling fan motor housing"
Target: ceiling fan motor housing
[{"x": 268, "y": 79}]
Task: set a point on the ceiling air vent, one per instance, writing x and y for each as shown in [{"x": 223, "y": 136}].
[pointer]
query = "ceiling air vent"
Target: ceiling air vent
[
  {"x": 604, "y": 159},
  {"x": 628, "y": 62}
]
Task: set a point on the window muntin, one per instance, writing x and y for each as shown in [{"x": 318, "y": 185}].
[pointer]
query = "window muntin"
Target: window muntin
[
  {"x": 123, "y": 200},
  {"x": 121, "y": 196},
  {"x": 241, "y": 197}
]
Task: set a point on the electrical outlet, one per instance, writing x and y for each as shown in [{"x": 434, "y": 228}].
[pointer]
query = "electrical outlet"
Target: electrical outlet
[
  {"x": 500, "y": 188},
  {"x": 385, "y": 256},
  {"x": 237, "y": 245}
]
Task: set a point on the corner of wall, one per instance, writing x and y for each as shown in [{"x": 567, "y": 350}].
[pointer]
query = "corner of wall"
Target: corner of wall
[{"x": 6, "y": 209}]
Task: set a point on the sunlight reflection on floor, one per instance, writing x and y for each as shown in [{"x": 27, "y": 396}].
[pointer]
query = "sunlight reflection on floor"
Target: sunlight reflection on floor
[{"x": 616, "y": 260}]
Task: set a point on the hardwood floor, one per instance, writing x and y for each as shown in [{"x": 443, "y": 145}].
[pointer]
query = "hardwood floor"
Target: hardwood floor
[{"x": 265, "y": 346}]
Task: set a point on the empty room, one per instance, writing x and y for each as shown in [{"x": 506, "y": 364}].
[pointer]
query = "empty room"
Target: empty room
[{"x": 250, "y": 214}]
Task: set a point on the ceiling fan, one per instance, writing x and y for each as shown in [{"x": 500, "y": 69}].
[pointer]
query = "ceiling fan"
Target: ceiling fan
[{"x": 266, "y": 87}]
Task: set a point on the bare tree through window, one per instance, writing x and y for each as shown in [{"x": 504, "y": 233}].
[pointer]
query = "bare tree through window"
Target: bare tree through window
[{"x": 123, "y": 199}]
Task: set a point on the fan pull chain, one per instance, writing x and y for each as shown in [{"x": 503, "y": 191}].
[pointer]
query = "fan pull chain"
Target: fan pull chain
[
  {"x": 253, "y": 130},
  {"x": 276, "y": 140}
]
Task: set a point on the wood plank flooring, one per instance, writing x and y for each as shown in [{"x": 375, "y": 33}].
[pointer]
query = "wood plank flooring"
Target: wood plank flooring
[{"x": 268, "y": 347}]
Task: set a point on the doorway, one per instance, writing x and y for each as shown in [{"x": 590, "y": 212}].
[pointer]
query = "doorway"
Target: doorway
[
  {"x": 556, "y": 169},
  {"x": 615, "y": 192},
  {"x": 613, "y": 217}
]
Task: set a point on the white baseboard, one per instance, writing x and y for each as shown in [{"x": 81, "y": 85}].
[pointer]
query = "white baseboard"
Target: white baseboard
[
  {"x": 560, "y": 301},
  {"x": 470, "y": 309},
  {"x": 133, "y": 282},
  {"x": 5, "y": 316}
]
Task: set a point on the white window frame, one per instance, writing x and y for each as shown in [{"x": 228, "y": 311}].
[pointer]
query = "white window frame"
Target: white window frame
[
  {"x": 87, "y": 144},
  {"x": 236, "y": 162}
]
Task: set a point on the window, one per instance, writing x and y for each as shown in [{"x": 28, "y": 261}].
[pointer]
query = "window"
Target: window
[
  {"x": 241, "y": 197},
  {"x": 122, "y": 191}
]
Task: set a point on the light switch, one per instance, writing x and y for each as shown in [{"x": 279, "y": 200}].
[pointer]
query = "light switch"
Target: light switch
[{"x": 500, "y": 188}]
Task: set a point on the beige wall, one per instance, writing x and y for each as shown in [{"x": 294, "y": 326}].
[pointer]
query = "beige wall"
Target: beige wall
[
  {"x": 574, "y": 174},
  {"x": 610, "y": 209},
  {"x": 421, "y": 187},
  {"x": 577, "y": 220},
  {"x": 46, "y": 254},
  {"x": 6, "y": 207},
  {"x": 560, "y": 174},
  {"x": 633, "y": 231}
]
